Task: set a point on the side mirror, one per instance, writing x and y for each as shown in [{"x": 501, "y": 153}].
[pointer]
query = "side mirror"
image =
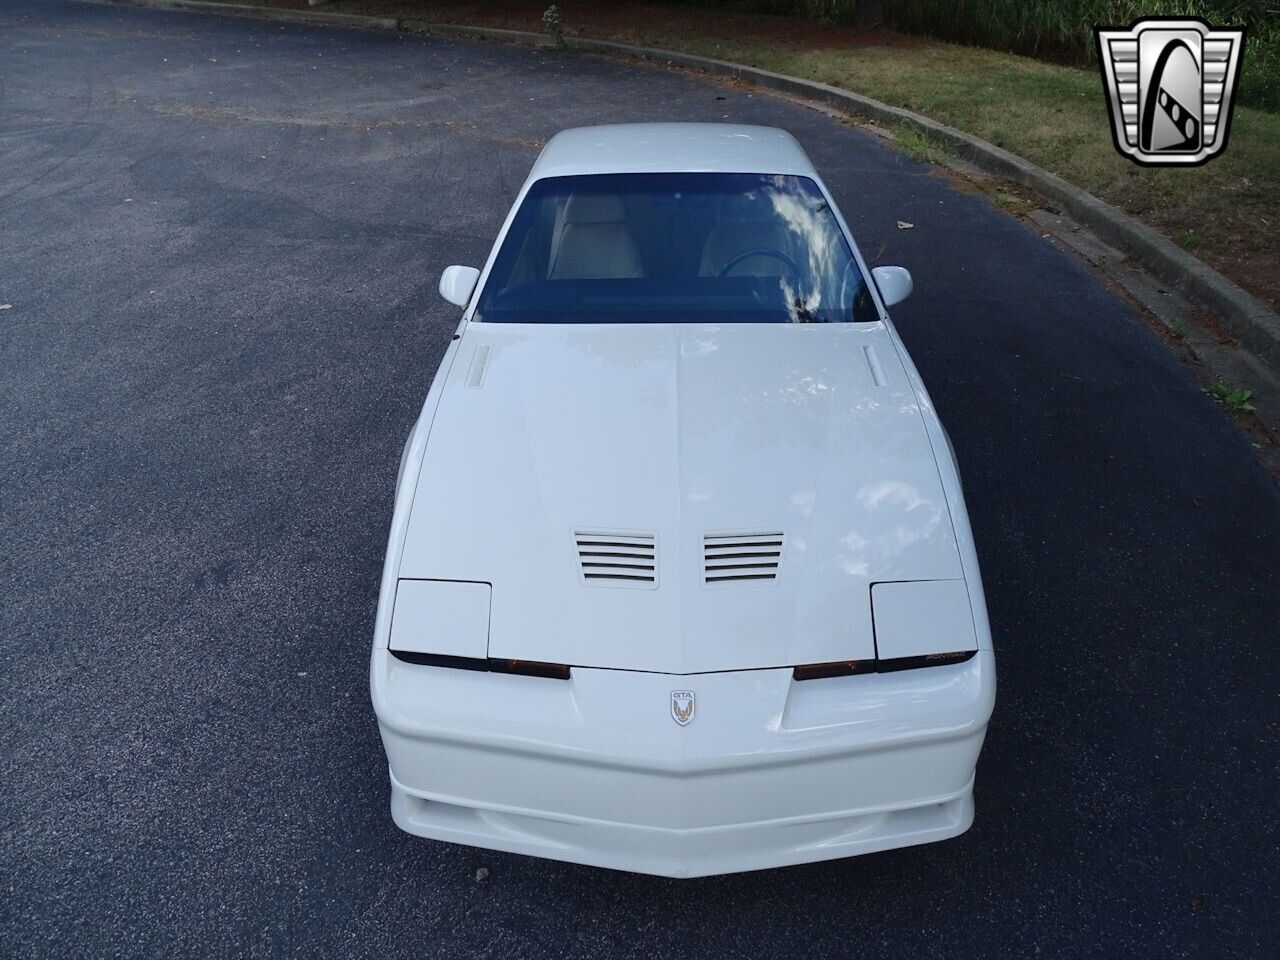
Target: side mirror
[
  {"x": 894, "y": 283},
  {"x": 458, "y": 283}
]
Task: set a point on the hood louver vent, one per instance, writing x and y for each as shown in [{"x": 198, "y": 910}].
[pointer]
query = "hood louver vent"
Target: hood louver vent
[
  {"x": 731, "y": 558},
  {"x": 617, "y": 560}
]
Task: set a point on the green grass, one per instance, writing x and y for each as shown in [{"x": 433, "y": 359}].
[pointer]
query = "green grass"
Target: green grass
[
  {"x": 919, "y": 146},
  {"x": 1235, "y": 398}
]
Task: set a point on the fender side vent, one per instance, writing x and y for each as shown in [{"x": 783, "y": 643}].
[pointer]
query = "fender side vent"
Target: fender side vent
[
  {"x": 617, "y": 559},
  {"x": 479, "y": 360},
  {"x": 741, "y": 557}
]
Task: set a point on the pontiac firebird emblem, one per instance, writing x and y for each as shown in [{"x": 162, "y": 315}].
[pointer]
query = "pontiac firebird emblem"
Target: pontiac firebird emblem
[
  {"x": 1170, "y": 83},
  {"x": 682, "y": 707}
]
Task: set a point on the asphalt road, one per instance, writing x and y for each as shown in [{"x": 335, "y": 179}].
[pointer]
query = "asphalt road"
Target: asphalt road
[{"x": 221, "y": 240}]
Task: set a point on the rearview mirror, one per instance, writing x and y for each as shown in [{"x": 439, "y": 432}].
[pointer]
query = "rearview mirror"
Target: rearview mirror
[
  {"x": 894, "y": 284},
  {"x": 458, "y": 283}
]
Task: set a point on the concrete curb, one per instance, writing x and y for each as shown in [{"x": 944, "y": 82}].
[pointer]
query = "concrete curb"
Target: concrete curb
[{"x": 1244, "y": 316}]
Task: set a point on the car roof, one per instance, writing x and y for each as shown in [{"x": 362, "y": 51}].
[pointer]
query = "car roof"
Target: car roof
[{"x": 672, "y": 148}]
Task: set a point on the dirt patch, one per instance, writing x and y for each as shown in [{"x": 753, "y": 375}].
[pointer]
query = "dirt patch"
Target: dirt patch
[{"x": 1241, "y": 242}]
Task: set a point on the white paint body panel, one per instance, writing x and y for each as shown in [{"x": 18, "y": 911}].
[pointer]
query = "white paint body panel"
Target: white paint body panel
[
  {"x": 458, "y": 283},
  {"x": 821, "y": 432},
  {"x": 915, "y": 619},
  {"x": 893, "y": 283},
  {"x": 771, "y": 772},
  {"x": 661, "y": 147},
  {"x": 439, "y": 616},
  {"x": 680, "y": 430}
]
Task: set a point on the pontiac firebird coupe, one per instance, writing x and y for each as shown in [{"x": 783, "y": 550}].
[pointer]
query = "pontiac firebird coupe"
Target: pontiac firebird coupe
[{"x": 680, "y": 578}]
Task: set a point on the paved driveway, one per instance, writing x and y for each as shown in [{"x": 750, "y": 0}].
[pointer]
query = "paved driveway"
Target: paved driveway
[{"x": 221, "y": 238}]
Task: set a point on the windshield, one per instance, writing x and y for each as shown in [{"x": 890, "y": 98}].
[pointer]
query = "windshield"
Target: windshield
[{"x": 675, "y": 248}]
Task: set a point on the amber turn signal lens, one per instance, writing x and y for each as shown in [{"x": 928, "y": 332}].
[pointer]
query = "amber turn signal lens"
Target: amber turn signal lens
[
  {"x": 847, "y": 668},
  {"x": 843, "y": 668},
  {"x": 530, "y": 668}
]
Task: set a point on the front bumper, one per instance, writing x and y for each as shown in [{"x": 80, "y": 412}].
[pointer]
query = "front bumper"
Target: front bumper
[{"x": 770, "y": 772}]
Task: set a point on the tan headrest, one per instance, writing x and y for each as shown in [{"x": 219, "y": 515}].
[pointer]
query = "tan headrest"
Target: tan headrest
[{"x": 595, "y": 208}]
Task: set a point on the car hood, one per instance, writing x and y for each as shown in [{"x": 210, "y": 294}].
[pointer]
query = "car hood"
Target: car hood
[{"x": 679, "y": 431}]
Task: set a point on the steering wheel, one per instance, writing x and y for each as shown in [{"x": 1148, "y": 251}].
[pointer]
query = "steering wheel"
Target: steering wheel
[{"x": 759, "y": 252}]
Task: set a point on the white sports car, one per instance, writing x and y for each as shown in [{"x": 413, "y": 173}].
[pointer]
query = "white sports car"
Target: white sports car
[{"x": 680, "y": 578}]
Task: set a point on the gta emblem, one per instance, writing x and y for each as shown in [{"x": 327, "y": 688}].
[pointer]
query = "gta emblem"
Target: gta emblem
[
  {"x": 1170, "y": 84},
  {"x": 682, "y": 703}
]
